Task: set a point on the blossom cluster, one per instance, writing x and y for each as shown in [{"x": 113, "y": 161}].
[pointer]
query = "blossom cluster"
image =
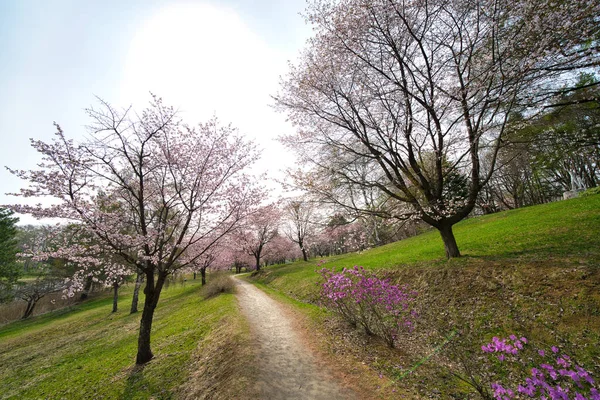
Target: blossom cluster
[
  {"x": 360, "y": 297},
  {"x": 553, "y": 375},
  {"x": 512, "y": 345}
]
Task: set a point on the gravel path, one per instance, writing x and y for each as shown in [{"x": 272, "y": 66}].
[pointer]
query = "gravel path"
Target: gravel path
[{"x": 287, "y": 369}]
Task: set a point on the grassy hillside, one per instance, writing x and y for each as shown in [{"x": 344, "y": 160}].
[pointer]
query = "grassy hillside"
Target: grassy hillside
[
  {"x": 87, "y": 352},
  {"x": 560, "y": 234},
  {"x": 533, "y": 271}
]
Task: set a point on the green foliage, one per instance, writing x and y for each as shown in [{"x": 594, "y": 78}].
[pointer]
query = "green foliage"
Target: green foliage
[
  {"x": 591, "y": 192},
  {"x": 567, "y": 138},
  {"x": 9, "y": 270},
  {"x": 551, "y": 152}
]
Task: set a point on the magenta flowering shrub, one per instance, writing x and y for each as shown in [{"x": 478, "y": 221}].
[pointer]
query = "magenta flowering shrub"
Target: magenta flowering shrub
[
  {"x": 363, "y": 299},
  {"x": 551, "y": 375}
]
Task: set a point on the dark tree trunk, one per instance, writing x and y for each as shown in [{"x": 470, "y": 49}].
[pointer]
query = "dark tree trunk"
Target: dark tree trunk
[
  {"x": 304, "y": 254},
  {"x": 449, "y": 241},
  {"x": 151, "y": 296},
  {"x": 30, "y": 306},
  {"x": 86, "y": 289},
  {"x": 115, "y": 296},
  {"x": 194, "y": 275},
  {"x": 203, "y": 275},
  {"x": 257, "y": 262},
  {"x": 136, "y": 292}
]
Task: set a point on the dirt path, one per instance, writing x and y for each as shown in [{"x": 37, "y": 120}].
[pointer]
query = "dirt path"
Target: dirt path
[{"x": 287, "y": 369}]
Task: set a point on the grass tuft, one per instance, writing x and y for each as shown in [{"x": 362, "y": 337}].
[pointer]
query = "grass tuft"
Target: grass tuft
[{"x": 216, "y": 284}]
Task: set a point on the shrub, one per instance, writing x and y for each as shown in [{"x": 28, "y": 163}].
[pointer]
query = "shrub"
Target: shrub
[
  {"x": 590, "y": 192},
  {"x": 216, "y": 284},
  {"x": 551, "y": 375},
  {"x": 363, "y": 299}
]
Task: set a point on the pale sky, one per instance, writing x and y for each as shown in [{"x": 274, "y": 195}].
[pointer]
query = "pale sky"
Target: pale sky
[{"x": 205, "y": 58}]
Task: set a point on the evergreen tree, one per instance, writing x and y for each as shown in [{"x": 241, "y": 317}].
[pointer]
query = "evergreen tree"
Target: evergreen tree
[{"x": 9, "y": 270}]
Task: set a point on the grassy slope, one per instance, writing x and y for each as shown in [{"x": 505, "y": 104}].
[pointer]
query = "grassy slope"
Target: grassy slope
[
  {"x": 88, "y": 352},
  {"x": 541, "y": 259},
  {"x": 565, "y": 233},
  {"x": 535, "y": 271}
]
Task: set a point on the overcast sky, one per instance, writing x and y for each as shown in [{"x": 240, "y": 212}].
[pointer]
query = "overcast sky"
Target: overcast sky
[{"x": 206, "y": 58}]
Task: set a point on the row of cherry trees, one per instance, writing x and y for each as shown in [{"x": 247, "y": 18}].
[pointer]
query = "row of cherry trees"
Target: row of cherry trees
[
  {"x": 147, "y": 193},
  {"x": 295, "y": 229},
  {"x": 402, "y": 109},
  {"x": 145, "y": 197}
]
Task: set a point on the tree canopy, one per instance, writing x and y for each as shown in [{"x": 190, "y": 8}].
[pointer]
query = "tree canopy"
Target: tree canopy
[
  {"x": 146, "y": 189},
  {"x": 9, "y": 270},
  {"x": 385, "y": 84}
]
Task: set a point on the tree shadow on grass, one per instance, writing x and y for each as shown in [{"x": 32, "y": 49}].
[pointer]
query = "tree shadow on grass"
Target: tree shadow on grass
[{"x": 138, "y": 386}]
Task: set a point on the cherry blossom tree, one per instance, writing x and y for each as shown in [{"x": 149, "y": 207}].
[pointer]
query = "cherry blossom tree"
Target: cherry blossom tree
[
  {"x": 402, "y": 96},
  {"x": 139, "y": 280},
  {"x": 281, "y": 249},
  {"x": 232, "y": 256},
  {"x": 209, "y": 251},
  {"x": 299, "y": 227},
  {"x": 32, "y": 292},
  {"x": 258, "y": 231},
  {"x": 147, "y": 188}
]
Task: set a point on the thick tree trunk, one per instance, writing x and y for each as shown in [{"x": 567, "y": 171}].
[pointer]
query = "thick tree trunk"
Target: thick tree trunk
[
  {"x": 115, "y": 296},
  {"x": 151, "y": 296},
  {"x": 449, "y": 241},
  {"x": 203, "y": 275},
  {"x": 257, "y": 262},
  {"x": 136, "y": 292},
  {"x": 304, "y": 254}
]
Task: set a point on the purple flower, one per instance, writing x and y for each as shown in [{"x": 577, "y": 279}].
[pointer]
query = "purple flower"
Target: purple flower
[{"x": 554, "y": 380}]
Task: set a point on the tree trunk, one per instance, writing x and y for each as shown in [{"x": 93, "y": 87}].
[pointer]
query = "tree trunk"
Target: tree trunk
[
  {"x": 151, "y": 296},
  {"x": 449, "y": 241},
  {"x": 194, "y": 275},
  {"x": 304, "y": 255},
  {"x": 86, "y": 289},
  {"x": 115, "y": 296},
  {"x": 203, "y": 275},
  {"x": 257, "y": 262},
  {"x": 29, "y": 309},
  {"x": 136, "y": 292}
]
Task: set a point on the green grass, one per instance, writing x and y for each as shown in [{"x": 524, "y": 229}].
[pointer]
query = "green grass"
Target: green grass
[
  {"x": 563, "y": 233},
  {"x": 534, "y": 271},
  {"x": 87, "y": 352}
]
